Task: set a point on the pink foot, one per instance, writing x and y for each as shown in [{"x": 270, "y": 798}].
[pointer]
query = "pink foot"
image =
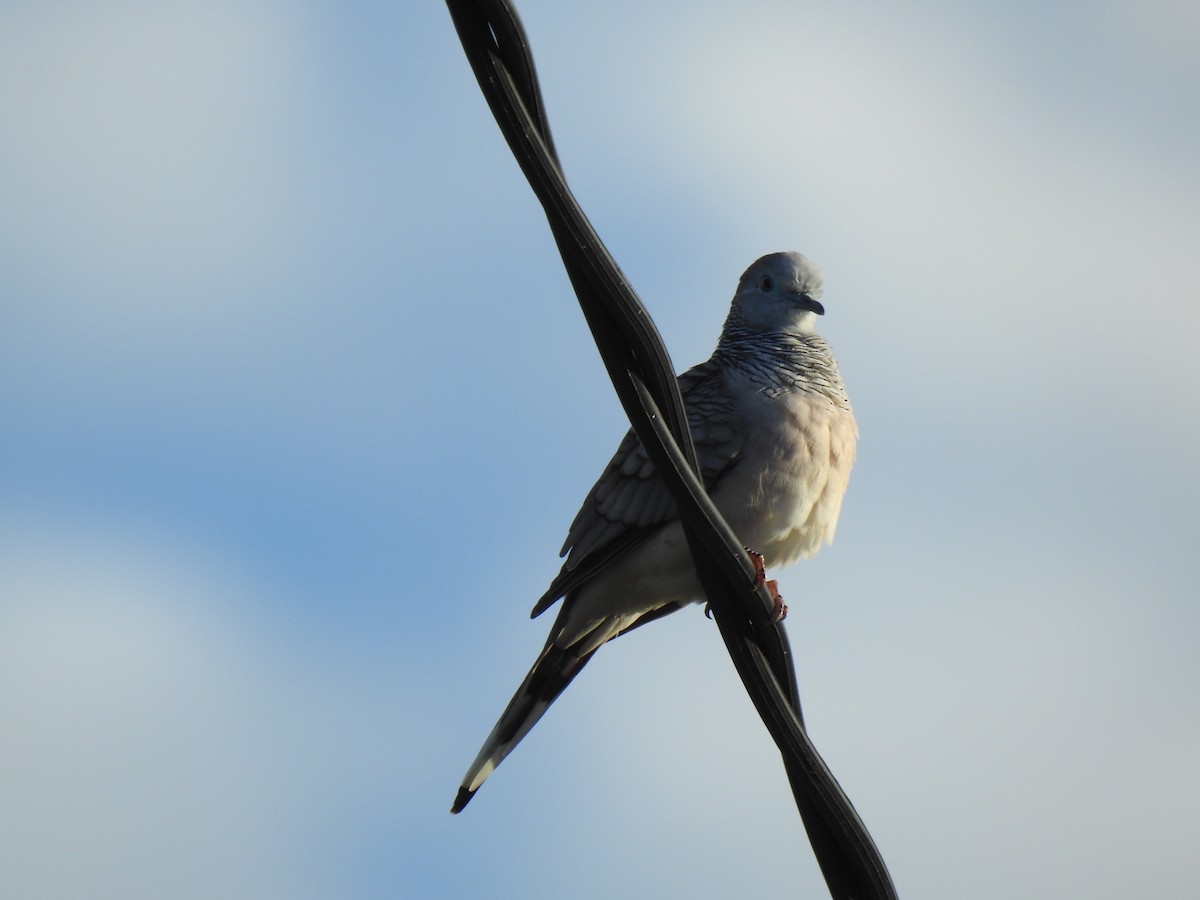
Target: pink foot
[
  {"x": 760, "y": 567},
  {"x": 779, "y": 612}
]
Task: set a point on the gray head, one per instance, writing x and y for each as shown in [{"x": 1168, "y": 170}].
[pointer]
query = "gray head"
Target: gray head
[{"x": 779, "y": 292}]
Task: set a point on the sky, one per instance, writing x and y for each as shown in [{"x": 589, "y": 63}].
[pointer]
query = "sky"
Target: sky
[{"x": 298, "y": 405}]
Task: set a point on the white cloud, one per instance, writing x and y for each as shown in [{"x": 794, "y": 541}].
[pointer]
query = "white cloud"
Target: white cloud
[
  {"x": 1165, "y": 32},
  {"x": 147, "y": 145},
  {"x": 161, "y": 742}
]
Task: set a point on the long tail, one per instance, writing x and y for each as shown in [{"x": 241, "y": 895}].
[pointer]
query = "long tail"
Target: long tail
[{"x": 547, "y": 679}]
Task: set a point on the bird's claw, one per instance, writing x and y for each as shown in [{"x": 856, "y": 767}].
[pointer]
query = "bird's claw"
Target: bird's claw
[
  {"x": 760, "y": 567},
  {"x": 779, "y": 611}
]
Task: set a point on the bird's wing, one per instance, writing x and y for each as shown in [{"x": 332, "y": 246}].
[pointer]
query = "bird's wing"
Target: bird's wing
[{"x": 630, "y": 501}]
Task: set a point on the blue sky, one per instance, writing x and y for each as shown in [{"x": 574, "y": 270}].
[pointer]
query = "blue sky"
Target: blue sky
[{"x": 299, "y": 406}]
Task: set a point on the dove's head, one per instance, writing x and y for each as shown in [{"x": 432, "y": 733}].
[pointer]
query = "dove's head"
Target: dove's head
[{"x": 779, "y": 292}]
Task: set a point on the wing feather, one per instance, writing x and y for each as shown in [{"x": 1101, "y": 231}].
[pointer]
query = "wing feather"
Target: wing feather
[{"x": 629, "y": 501}]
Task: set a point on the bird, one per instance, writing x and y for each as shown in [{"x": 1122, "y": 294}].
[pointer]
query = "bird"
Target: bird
[{"x": 776, "y": 438}]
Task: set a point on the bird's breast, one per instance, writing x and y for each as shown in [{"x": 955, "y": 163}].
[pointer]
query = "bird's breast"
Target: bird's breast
[{"x": 784, "y": 497}]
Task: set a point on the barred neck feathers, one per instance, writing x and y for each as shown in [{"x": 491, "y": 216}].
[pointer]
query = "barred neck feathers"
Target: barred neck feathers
[{"x": 781, "y": 361}]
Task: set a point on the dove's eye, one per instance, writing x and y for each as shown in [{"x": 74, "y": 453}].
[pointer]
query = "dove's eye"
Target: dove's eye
[{"x": 766, "y": 283}]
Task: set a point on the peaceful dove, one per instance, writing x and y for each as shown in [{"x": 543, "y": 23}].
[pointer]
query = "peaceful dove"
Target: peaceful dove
[{"x": 775, "y": 437}]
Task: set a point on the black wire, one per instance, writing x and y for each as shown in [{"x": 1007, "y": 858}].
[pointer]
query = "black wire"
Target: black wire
[{"x": 644, "y": 379}]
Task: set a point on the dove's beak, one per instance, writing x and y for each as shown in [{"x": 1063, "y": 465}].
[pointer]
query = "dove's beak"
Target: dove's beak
[{"x": 812, "y": 304}]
